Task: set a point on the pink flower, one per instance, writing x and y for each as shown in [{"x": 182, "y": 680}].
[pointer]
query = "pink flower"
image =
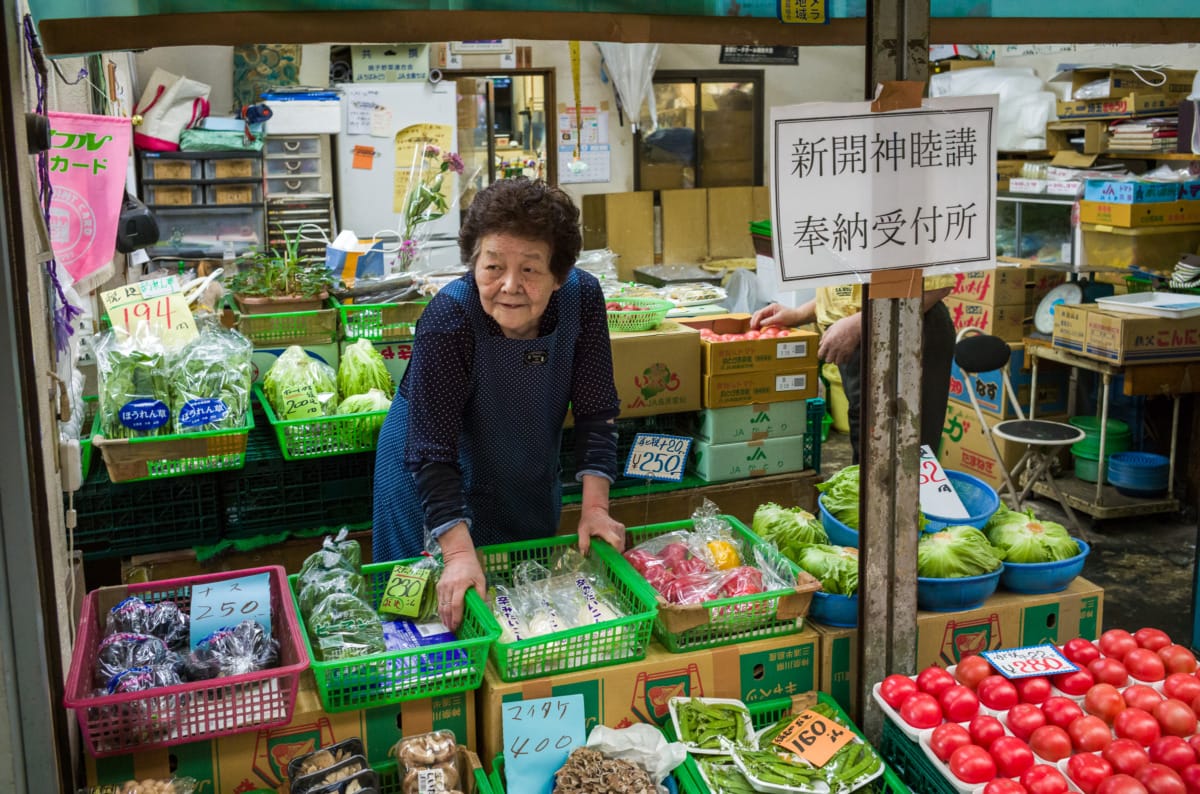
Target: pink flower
[
  {"x": 431, "y": 150},
  {"x": 454, "y": 162},
  {"x": 408, "y": 246}
]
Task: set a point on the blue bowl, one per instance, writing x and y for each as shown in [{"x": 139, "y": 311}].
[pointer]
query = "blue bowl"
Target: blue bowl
[
  {"x": 834, "y": 610},
  {"x": 979, "y": 498},
  {"x": 839, "y": 534},
  {"x": 1139, "y": 473},
  {"x": 953, "y": 595},
  {"x": 1036, "y": 578}
]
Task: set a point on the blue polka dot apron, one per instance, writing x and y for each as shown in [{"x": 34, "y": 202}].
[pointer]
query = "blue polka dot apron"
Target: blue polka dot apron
[{"x": 509, "y": 445}]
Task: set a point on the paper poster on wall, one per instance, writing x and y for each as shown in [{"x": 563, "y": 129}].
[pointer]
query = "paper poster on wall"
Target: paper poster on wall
[
  {"x": 409, "y": 141},
  {"x": 594, "y": 149}
]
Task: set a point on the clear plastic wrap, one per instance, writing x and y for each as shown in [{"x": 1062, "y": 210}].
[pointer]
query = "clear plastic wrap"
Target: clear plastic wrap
[
  {"x": 139, "y": 679},
  {"x": 124, "y": 651},
  {"x": 175, "y": 785},
  {"x": 321, "y": 780},
  {"x": 323, "y": 582},
  {"x": 298, "y": 386},
  {"x": 324, "y": 757},
  {"x": 245, "y": 648},
  {"x": 163, "y": 619},
  {"x": 211, "y": 377},
  {"x": 428, "y": 762},
  {"x": 135, "y": 391},
  {"x": 342, "y": 625},
  {"x": 428, "y": 567}
]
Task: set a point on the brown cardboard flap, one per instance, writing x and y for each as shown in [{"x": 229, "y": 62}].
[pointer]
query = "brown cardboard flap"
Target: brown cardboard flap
[
  {"x": 795, "y": 604},
  {"x": 537, "y": 688},
  {"x": 898, "y": 95},
  {"x": 1073, "y": 159},
  {"x": 906, "y": 283},
  {"x": 468, "y": 765},
  {"x": 805, "y": 700},
  {"x": 727, "y": 686},
  {"x": 417, "y": 716}
]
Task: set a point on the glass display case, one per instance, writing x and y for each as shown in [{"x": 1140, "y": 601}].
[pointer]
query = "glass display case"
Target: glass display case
[{"x": 1035, "y": 228}]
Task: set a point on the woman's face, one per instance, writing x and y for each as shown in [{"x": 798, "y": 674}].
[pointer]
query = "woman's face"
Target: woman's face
[{"x": 515, "y": 282}]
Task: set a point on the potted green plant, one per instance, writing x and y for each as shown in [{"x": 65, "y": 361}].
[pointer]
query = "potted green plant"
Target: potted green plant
[{"x": 274, "y": 281}]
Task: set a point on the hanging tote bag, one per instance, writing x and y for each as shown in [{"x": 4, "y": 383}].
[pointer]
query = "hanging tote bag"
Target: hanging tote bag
[{"x": 169, "y": 105}]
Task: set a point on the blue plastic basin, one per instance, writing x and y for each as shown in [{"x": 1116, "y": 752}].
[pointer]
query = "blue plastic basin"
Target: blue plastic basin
[
  {"x": 839, "y": 534},
  {"x": 978, "y": 498},
  {"x": 952, "y": 595},
  {"x": 1034, "y": 578},
  {"x": 1139, "y": 473},
  {"x": 834, "y": 610}
]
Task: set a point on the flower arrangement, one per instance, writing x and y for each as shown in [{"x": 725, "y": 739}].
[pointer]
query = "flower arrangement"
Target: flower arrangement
[{"x": 425, "y": 200}]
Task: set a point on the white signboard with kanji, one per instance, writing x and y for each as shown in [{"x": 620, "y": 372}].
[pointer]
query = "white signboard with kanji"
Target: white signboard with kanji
[{"x": 854, "y": 192}]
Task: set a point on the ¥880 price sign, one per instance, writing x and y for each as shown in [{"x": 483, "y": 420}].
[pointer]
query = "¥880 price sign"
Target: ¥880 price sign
[
  {"x": 538, "y": 737},
  {"x": 1029, "y": 661},
  {"x": 658, "y": 457}
]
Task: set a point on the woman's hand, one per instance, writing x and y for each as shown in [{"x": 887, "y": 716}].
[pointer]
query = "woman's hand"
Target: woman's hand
[
  {"x": 774, "y": 314},
  {"x": 462, "y": 572},
  {"x": 841, "y": 339},
  {"x": 595, "y": 522}
]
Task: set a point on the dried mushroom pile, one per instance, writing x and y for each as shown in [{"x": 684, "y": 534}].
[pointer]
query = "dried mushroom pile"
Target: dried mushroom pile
[{"x": 588, "y": 772}]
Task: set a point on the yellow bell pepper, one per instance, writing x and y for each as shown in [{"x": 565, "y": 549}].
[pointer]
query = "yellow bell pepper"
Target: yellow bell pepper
[{"x": 725, "y": 554}]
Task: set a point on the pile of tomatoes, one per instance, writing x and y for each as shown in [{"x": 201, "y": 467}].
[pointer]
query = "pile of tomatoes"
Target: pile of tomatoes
[
  {"x": 617, "y": 306},
  {"x": 1124, "y": 723},
  {"x": 769, "y": 332}
]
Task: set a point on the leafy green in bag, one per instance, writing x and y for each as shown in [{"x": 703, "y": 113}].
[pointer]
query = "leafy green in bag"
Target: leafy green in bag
[
  {"x": 361, "y": 369},
  {"x": 210, "y": 379},
  {"x": 956, "y": 552},
  {"x": 135, "y": 390},
  {"x": 299, "y": 386}
]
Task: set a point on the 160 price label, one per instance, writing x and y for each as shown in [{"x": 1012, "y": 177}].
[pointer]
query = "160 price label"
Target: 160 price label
[{"x": 814, "y": 738}]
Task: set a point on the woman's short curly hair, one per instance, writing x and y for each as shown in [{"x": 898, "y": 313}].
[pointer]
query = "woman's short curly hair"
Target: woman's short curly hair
[{"x": 529, "y": 209}]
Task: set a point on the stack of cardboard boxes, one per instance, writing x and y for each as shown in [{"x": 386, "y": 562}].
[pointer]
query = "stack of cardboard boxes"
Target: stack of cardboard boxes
[
  {"x": 1000, "y": 301},
  {"x": 1139, "y": 223}
]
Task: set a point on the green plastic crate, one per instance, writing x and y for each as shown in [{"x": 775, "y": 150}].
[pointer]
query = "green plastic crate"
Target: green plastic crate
[
  {"x": 585, "y": 648},
  {"x": 90, "y": 406},
  {"x": 174, "y": 454},
  {"x": 732, "y": 620},
  {"x": 323, "y": 436},
  {"x": 815, "y": 434},
  {"x": 380, "y": 679},
  {"x": 906, "y": 757},
  {"x": 391, "y": 780},
  {"x": 379, "y": 322},
  {"x": 290, "y": 328}
]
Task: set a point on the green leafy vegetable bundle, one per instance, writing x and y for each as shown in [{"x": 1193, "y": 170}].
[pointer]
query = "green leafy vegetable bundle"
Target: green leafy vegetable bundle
[
  {"x": 841, "y": 496},
  {"x": 835, "y": 566},
  {"x": 362, "y": 369},
  {"x": 210, "y": 379},
  {"x": 791, "y": 529},
  {"x": 298, "y": 386},
  {"x": 1025, "y": 539},
  {"x": 956, "y": 552},
  {"x": 132, "y": 372}
]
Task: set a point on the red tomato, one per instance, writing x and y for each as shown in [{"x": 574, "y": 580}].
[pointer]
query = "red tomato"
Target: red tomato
[
  {"x": 1172, "y": 751},
  {"x": 1076, "y": 683},
  {"x": 1104, "y": 701},
  {"x": 1120, "y": 784},
  {"x": 1051, "y": 742},
  {"x": 1126, "y": 756},
  {"x": 1089, "y": 734},
  {"x": 1191, "y": 778},
  {"x": 1194, "y": 741},
  {"x": 934, "y": 680},
  {"x": 1109, "y": 671},
  {"x": 1145, "y": 665},
  {"x": 973, "y": 669},
  {"x": 1175, "y": 717},
  {"x": 1061, "y": 711},
  {"x": 1117, "y": 643},
  {"x": 1034, "y": 690},
  {"x": 959, "y": 704},
  {"x": 1182, "y": 686},
  {"x": 1023, "y": 719},
  {"x": 972, "y": 764},
  {"x": 674, "y": 553},
  {"x": 690, "y": 566},
  {"x": 985, "y": 729},
  {"x": 1138, "y": 725},
  {"x": 895, "y": 689},
  {"x": 1159, "y": 779},
  {"x": 1140, "y": 696},
  {"x": 1177, "y": 659},
  {"x": 752, "y": 334},
  {"x": 743, "y": 580},
  {"x": 1152, "y": 638},
  {"x": 946, "y": 738},
  {"x": 1081, "y": 651},
  {"x": 921, "y": 711},
  {"x": 997, "y": 692},
  {"x": 1003, "y": 785},
  {"x": 1044, "y": 779},
  {"x": 1012, "y": 756},
  {"x": 1087, "y": 770}
]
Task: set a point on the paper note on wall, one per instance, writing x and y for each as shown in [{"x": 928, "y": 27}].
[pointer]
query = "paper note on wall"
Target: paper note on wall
[{"x": 409, "y": 142}]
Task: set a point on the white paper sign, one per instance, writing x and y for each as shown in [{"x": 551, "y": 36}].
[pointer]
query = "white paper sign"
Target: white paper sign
[
  {"x": 658, "y": 457},
  {"x": 856, "y": 191},
  {"x": 937, "y": 493},
  {"x": 1031, "y": 660}
]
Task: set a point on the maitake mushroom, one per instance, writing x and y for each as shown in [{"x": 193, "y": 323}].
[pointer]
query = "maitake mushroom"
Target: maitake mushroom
[{"x": 588, "y": 772}]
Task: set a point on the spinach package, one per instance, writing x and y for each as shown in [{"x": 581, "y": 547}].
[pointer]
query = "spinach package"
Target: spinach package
[
  {"x": 210, "y": 379},
  {"x": 135, "y": 391}
]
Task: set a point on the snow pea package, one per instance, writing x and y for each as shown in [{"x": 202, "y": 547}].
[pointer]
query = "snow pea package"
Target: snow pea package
[
  {"x": 135, "y": 389},
  {"x": 210, "y": 379}
]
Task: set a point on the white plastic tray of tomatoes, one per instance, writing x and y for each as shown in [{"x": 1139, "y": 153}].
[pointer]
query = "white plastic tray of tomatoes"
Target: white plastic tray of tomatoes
[{"x": 1124, "y": 723}]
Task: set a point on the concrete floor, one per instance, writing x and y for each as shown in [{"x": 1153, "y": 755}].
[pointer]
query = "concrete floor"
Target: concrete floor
[{"x": 1145, "y": 564}]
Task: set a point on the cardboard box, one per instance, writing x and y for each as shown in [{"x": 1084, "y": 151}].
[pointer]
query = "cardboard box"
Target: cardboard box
[
  {"x": 1005, "y": 286},
  {"x": 1151, "y": 247},
  {"x": 744, "y": 459},
  {"x": 753, "y": 422},
  {"x": 264, "y": 357},
  {"x": 993, "y": 397},
  {"x": 1176, "y": 83},
  {"x": 1004, "y": 321},
  {"x": 797, "y": 350},
  {"x": 657, "y": 372},
  {"x": 684, "y": 226},
  {"x": 1125, "y": 338},
  {"x": 749, "y": 388},
  {"x": 626, "y": 694},
  {"x": 1127, "y": 191},
  {"x": 1006, "y": 620},
  {"x": 965, "y": 446},
  {"x": 1094, "y": 134},
  {"x": 730, "y": 212},
  {"x": 666, "y": 176},
  {"x": 1159, "y": 213},
  {"x": 730, "y": 173},
  {"x": 1141, "y": 104},
  {"x": 623, "y": 222}
]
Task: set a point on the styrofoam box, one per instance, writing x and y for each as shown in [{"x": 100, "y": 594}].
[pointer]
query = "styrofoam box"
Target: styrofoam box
[{"x": 305, "y": 117}]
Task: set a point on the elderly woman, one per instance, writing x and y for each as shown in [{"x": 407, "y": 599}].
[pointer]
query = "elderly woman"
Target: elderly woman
[{"x": 468, "y": 454}]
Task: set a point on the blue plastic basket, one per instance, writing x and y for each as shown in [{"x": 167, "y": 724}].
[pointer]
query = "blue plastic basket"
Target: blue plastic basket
[
  {"x": 839, "y": 534},
  {"x": 1036, "y": 578},
  {"x": 834, "y": 610},
  {"x": 979, "y": 498},
  {"x": 1139, "y": 473},
  {"x": 953, "y": 595}
]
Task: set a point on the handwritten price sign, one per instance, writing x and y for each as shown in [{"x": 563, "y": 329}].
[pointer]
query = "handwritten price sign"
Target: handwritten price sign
[
  {"x": 658, "y": 457},
  {"x": 1029, "y": 661},
  {"x": 538, "y": 737},
  {"x": 814, "y": 738},
  {"x": 224, "y": 604},
  {"x": 156, "y": 303},
  {"x": 937, "y": 494},
  {"x": 404, "y": 592}
]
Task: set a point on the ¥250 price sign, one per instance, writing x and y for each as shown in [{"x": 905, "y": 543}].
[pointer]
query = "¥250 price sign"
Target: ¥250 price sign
[
  {"x": 658, "y": 457},
  {"x": 814, "y": 738},
  {"x": 1029, "y": 661}
]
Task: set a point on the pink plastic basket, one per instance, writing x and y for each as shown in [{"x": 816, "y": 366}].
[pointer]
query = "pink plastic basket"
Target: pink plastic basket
[{"x": 114, "y": 724}]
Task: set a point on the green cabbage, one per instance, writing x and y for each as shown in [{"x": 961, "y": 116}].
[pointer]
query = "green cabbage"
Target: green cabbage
[
  {"x": 1023, "y": 538},
  {"x": 835, "y": 566},
  {"x": 372, "y": 403},
  {"x": 956, "y": 552},
  {"x": 841, "y": 496},
  {"x": 296, "y": 377},
  {"x": 361, "y": 369},
  {"x": 789, "y": 528}
]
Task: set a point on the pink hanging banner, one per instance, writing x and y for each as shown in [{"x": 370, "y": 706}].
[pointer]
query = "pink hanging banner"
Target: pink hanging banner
[{"x": 87, "y": 160}]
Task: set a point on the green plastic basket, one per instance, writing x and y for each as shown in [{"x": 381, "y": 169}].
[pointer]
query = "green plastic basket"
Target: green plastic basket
[
  {"x": 585, "y": 648},
  {"x": 175, "y": 454},
  {"x": 914, "y": 768},
  {"x": 379, "y": 322},
  {"x": 649, "y": 317},
  {"x": 290, "y": 328},
  {"x": 322, "y": 436},
  {"x": 391, "y": 780},
  {"x": 90, "y": 406},
  {"x": 380, "y": 679},
  {"x": 732, "y": 620}
]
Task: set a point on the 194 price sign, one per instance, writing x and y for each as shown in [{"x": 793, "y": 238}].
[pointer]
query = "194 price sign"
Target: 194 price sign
[
  {"x": 1029, "y": 661},
  {"x": 658, "y": 457}
]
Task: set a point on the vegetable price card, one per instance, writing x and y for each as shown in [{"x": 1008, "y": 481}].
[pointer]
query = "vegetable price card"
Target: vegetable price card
[
  {"x": 224, "y": 604},
  {"x": 404, "y": 593},
  {"x": 538, "y": 737},
  {"x": 300, "y": 402},
  {"x": 937, "y": 494},
  {"x": 814, "y": 738},
  {"x": 1029, "y": 661},
  {"x": 155, "y": 302},
  {"x": 658, "y": 457}
]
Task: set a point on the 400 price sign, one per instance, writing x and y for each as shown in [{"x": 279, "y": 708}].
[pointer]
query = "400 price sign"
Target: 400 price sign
[{"x": 1029, "y": 661}]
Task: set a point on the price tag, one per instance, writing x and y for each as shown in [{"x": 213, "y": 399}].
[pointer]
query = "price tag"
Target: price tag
[
  {"x": 538, "y": 737},
  {"x": 1029, "y": 661},
  {"x": 814, "y": 738},
  {"x": 224, "y": 604},
  {"x": 791, "y": 349},
  {"x": 301, "y": 403},
  {"x": 937, "y": 494},
  {"x": 658, "y": 457},
  {"x": 404, "y": 591},
  {"x": 155, "y": 302}
]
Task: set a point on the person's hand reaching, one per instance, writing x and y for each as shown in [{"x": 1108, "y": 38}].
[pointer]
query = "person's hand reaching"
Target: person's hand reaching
[
  {"x": 462, "y": 571},
  {"x": 774, "y": 314},
  {"x": 597, "y": 523},
  {"x": 840, "y": 340}
]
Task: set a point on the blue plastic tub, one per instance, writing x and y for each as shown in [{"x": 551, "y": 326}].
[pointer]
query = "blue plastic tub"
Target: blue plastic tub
[
  {"x": 952, "y": 595},
  {"x": 834, "y": 610},
  {"x": 979, "y": 498},
  {"x": 1139, "y": 473},
  {"x": 1036, "y": 578},
  {"x": 839, "y": 534}
]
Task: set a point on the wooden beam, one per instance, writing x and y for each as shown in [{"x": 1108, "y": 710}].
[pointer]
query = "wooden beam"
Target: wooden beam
[{"x": 973, "y": 30}]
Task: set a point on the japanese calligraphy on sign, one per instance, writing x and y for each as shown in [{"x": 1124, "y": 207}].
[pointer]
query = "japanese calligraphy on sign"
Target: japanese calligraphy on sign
[
  {"x": 855, "y": 192},
  {"x": 389, "y": 63},
  {"x": 937, "y": 494},
  {"x": 154, "y": 302}
]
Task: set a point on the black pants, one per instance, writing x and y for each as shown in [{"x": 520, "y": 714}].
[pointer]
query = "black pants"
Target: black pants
[{"x": 937, "y": 351}]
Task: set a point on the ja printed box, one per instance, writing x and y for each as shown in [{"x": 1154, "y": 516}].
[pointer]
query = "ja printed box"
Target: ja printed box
[
  {"x": 657, "y": 372},
  {"x": 753, "y": 422},
  {"x": 743, "y": 459},
  {"x": 750, "y": 388},
  {"x": 797, "y": 350},
  {"x": 1157, "y": 213}
]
